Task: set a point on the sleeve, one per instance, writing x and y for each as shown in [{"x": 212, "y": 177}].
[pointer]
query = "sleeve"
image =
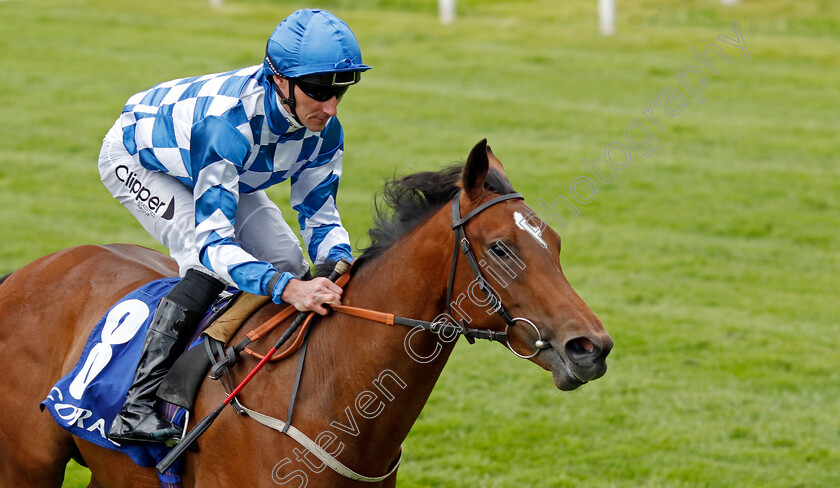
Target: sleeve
[
  {"x": 313, "y": 196},
  {"x": 217, "y": 148}
]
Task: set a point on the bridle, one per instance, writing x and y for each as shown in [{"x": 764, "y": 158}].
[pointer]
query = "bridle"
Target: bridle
[
  {"x": 462, "y": 242},
  {"x": 443, "y": 327}
]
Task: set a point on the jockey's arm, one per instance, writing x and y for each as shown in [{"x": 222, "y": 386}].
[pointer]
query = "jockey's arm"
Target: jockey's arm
[{"x": 214, "y": 226}]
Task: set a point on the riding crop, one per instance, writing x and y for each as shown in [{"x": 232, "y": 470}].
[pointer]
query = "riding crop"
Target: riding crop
[{"x": 340, "y": 268}]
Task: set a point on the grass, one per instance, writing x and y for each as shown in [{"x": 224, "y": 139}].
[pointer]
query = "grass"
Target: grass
[{"x": 713, "y": 263}]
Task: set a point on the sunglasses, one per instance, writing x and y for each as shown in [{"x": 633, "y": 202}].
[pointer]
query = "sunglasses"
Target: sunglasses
[
  {"x": 323, "y": 86},
  {"x": 321, "y": 93}
]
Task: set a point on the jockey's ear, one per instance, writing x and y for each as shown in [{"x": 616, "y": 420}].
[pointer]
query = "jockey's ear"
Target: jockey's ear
[
  {"x": 281, "y": 82},
  {"x": 475, "y": 170}
]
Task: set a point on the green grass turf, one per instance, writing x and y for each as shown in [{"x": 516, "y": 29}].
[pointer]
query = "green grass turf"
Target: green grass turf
[{"x": 713, "y": 262}]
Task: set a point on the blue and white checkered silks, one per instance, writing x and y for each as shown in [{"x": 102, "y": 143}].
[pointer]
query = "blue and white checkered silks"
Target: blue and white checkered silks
[{"x": 221, "y": 135}]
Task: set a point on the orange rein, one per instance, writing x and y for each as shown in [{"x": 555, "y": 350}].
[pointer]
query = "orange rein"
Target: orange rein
[{"x": 286, "y": 313}]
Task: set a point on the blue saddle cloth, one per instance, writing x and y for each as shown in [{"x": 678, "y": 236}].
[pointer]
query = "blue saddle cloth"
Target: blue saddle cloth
[{"x": 86, "y": 400}]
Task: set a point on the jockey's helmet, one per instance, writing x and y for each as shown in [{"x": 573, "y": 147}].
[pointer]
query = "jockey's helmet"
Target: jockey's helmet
[{"x": 316, "y": 47}]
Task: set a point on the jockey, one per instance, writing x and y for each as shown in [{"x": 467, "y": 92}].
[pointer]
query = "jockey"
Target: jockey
[{"x": 191, "y": 158}]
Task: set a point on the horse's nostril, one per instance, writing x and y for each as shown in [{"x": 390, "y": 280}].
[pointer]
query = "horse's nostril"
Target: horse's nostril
[
  {"x": 585, "y": 344},
  {"x": 582, "y": 349}
]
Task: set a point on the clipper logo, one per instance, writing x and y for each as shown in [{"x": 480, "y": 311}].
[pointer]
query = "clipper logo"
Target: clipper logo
[{"x": 150, "y": 204}]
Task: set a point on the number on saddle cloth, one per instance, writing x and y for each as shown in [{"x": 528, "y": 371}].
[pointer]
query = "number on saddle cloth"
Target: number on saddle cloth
[{"x": 86, "y": 400}]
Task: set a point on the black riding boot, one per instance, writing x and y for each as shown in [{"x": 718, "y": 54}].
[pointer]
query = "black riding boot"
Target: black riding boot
[{"x": 175, "y": 320}]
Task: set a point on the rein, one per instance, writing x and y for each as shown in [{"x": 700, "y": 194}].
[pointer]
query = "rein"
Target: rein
[{"x": 435, "y": 327}]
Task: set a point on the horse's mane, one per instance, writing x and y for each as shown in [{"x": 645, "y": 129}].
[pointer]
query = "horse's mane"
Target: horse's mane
[
  {"x": 4, "y": 278},
  {"x": 407, "y": 201}
]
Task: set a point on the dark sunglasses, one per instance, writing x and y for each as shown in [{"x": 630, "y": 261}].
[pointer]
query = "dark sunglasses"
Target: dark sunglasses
[{"x": 321, "y": 93}]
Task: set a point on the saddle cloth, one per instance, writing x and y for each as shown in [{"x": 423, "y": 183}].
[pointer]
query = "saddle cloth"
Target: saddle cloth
[{"x": 86, "y": 400}]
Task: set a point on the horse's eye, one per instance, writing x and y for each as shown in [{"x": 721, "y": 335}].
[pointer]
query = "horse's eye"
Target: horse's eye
[{"x": 498, "y": 250}]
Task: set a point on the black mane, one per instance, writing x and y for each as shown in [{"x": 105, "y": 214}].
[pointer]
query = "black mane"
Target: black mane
[{"x": 407, "y": 201}]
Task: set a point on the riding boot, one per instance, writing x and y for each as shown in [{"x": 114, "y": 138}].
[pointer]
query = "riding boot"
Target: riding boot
[{"x": 175, "y": 319}]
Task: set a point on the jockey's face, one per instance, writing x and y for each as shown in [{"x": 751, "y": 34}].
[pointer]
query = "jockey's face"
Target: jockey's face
[{"x": 312, "y": 113}]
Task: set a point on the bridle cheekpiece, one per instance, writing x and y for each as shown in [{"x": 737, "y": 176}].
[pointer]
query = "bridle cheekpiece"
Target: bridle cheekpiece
[{"x": 462, "y": 242}]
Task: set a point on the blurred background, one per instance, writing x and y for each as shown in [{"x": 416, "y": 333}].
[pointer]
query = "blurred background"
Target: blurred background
[{"x": 713, "y": 261}]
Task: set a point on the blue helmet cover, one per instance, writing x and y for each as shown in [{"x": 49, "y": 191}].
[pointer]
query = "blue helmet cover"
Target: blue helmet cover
[{"x": 313, "y": 41}]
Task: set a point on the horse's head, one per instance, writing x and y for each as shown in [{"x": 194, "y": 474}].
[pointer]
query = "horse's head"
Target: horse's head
[{"x": 518, "y": 255}]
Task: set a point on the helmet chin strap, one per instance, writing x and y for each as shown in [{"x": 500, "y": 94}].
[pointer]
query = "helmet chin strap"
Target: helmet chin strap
[{"x": 290, "y": 101}]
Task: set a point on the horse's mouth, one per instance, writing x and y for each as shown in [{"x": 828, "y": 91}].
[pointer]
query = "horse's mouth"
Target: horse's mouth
[{"x": 564, "y": 377}]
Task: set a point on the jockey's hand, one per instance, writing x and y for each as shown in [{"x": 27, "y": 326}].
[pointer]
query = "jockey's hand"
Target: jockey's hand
[{"x": 311, "y": 295}]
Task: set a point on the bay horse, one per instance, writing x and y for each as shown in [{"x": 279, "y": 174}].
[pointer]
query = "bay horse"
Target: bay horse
[{"x": 364, "y": 384}]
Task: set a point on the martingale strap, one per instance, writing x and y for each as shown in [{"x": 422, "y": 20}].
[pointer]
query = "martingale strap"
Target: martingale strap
[
  {"x": 288, "y": 429},
  {"x": 315, "y": 449}
]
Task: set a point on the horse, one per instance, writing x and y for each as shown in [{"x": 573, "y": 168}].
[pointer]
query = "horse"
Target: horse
[{"x": 364, "y": 384}]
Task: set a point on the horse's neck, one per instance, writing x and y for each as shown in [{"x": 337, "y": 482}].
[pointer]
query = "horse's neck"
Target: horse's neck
[{"x": 382, "y": 376}]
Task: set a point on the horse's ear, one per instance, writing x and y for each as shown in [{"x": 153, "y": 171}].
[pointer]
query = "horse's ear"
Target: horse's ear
[
  {"x": 495, "y": 163},
  {"x": 475, "y": 170}
]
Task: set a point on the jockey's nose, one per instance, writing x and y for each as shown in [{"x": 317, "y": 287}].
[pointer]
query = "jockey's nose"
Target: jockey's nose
[{"x": 330, "y": 107}]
